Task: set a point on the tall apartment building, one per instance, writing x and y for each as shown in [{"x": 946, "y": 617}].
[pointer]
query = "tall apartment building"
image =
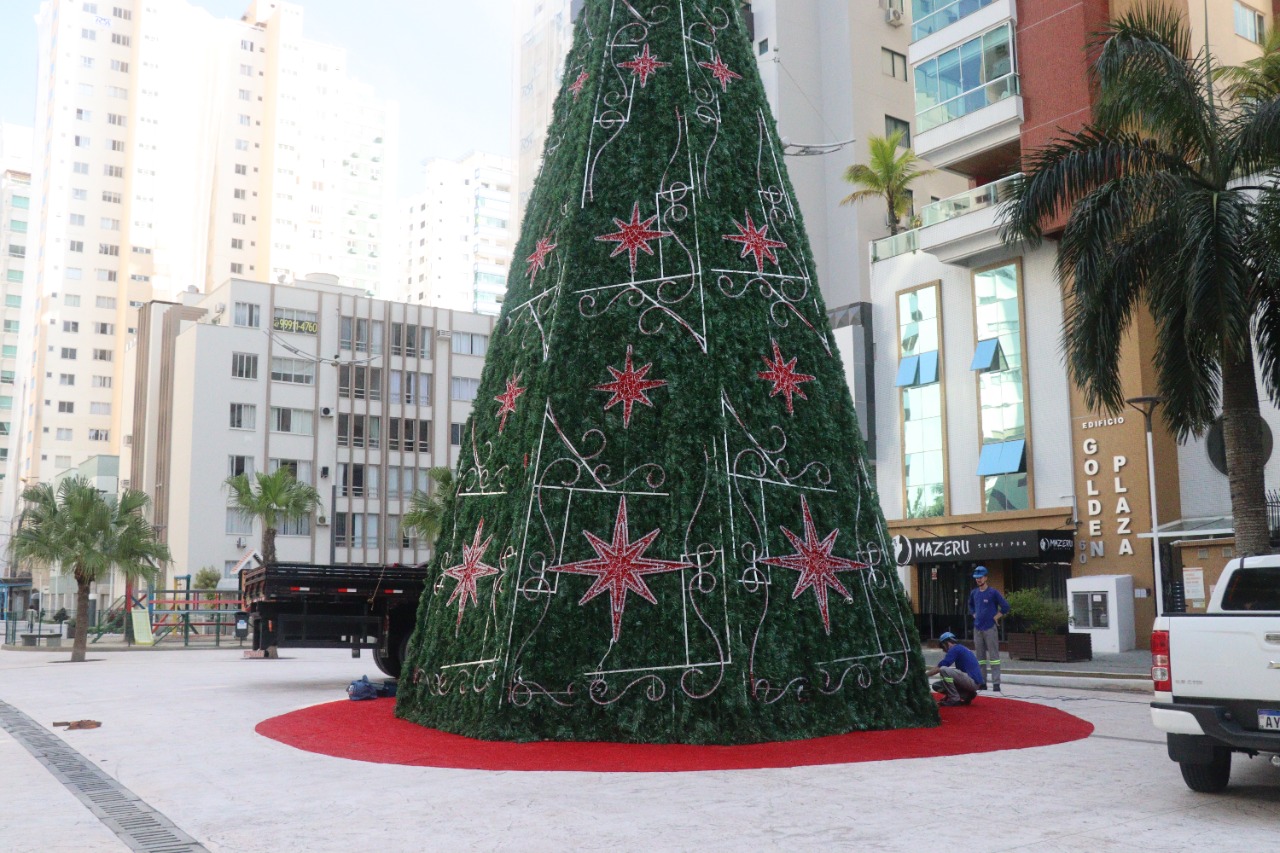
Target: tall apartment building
[
  {"x": 175, "y": 150},
  {"x": 15, "y": 224},
  {"x": 357, "y": 396},
  {"x": 543, "y": 34},
  {"x": 978, "y": 413},
  {"x": 458, "y": 233},
  {"x": 835, "y": 72}
]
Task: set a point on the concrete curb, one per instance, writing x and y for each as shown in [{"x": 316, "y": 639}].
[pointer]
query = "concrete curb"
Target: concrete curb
[{"x": 1083, "y": 681}]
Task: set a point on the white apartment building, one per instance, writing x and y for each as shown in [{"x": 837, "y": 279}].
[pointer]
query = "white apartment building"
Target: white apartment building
[
  {"x": 543, "y": 36},
  {"x": 358, "y": 396},
  {"x": 175, "y": 150},
  {"x": 458, "y": 233},
  {"x": 15, "y": 223}
]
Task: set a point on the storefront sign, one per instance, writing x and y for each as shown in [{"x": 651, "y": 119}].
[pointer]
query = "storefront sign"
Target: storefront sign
[
  {"x": 1106, "y": 496},
  {"x": 1048, "y": 545}
]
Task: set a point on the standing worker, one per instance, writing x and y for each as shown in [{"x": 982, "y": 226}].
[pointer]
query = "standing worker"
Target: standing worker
[{"x": 987, "y": 607}]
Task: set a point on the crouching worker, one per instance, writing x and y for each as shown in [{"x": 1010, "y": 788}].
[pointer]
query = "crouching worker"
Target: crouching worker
[{"x": 959, "y": 670}]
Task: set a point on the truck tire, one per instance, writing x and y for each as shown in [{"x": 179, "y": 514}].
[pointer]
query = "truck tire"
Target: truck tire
[
  {"x": 1211, "y": 778},
  {"x": 392, "y": 662}
]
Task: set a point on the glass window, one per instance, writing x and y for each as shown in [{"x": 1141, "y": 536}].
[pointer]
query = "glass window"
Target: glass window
[
  {"x": 1089, "y": 609},
  {"x": 1002, "y": 459},
  {"x": 1250, "y": 23},
  {"x": 924, "y": 475},
  {"x": 239, "y": 522},
  {"x": 464, "y": 389},
  {"x": 965, "y": 79},
  {"x": 244, "y": 365},
  {"x": 248, "y": 314},
  {"x": 243, "y": 416},
  {"x": 896, "y": 125},
  {"x": 237, "y": 465},
  {"x": 294, "y": 370}
]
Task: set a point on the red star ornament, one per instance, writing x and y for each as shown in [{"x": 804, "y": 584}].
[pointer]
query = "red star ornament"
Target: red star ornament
[
  {"x": 815, "y": 563},
  {"x": 643, "y": 65},
  {"x": 576, "y": 85},
  {"x": 508, "y": 400},
  {"x": 633, "y": 236},
  {"x": 784, "y": 377},
  {"x": 628, "y": 387},
  {"x": 619, "y": 567},
  {"x": 721, "y": 72},
  {"x": 469, "y": 571},
  {"x": 755, "y": 241},
  {"x": 538, "y": 260}
]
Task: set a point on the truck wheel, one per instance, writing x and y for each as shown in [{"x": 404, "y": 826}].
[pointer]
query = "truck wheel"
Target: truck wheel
[
  {"x": 392, "y": 663},
  {"x": 1208, "y": 778}
]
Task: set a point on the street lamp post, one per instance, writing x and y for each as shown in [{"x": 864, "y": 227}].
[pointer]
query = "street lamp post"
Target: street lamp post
[{"x": 1147, "y": 405}]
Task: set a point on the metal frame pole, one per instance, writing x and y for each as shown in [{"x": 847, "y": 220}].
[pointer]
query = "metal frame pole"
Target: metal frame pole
[{"x": 1147, "y": 405}]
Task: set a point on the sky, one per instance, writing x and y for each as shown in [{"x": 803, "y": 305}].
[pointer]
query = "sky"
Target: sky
[{"x": 447, "y": 63}]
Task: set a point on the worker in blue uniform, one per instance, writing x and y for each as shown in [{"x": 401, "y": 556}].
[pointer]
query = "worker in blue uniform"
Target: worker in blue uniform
[
  {"x": 987, "y": 607},
  {"x": 959, "y": 670}
]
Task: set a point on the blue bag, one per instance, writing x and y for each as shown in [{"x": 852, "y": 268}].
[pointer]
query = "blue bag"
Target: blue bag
[{"x": 362, "y": 689}]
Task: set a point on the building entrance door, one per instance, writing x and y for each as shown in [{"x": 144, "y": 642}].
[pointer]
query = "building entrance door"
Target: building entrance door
[{"x": 944, "y": 598}]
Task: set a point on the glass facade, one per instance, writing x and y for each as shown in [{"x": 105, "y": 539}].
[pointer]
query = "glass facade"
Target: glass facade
[
  {"x": 920, "y": 384},
  {"x": 929, "y": 16},
  {"x": 965, "y": 79},
  {"x": 998, "y": 360}
]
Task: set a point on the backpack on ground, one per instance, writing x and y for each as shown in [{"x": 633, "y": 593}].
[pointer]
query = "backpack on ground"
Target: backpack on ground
[{"x": 362, "y": 689}]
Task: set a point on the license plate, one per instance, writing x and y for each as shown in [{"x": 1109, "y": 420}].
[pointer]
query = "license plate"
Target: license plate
[{"x": 1268, "y": 720}]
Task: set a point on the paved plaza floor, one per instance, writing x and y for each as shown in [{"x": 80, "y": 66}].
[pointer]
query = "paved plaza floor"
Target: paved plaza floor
[{"x": 178, "y": 734}]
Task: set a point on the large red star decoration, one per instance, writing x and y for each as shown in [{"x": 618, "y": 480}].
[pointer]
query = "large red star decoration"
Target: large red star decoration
[
  {"x": 508, "y": 400},
  {"x": 721, "y": 72},
  {"x": 784, "y": 377},
  {"x": 628, "y": 387},
  {"x": 619, "y": 567},
  {"x": 815, "y": 563},
  {"x": 538, "y": 260},
  {"x": 643, "y": 65},
  {"x": 469, "y": 571},
  {"x": 576, "y": 85},
  {"x": 633, "y": 236},
  {"x": 755, "y": 241}
]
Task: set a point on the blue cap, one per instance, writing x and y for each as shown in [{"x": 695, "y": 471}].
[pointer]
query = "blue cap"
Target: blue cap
[
  {"x": 947, "y": 636},
  {"x": 980, "y": 572}
]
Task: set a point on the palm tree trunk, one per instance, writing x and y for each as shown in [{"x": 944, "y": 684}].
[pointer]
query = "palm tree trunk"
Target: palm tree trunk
[
  {"x": 1242, "y": 436},
  {"x": 80, "y": 644},
  {"x": 268, "y": 544}
]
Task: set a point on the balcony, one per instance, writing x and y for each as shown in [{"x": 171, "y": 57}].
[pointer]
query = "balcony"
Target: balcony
[
  {"x": 926, "y": 23},
  {"x": 971, "y": 124},
  {"x": 957, "y": 230},
  {"x": 965, "y": 227}
]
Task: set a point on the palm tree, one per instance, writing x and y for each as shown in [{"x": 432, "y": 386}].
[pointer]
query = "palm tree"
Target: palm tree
[
  {"x": 426, "y": 509},
  {"x": 889, "y": 175},
  {"x": 279, "y": 497},
  {"x": 90, "y": 532},
  {"x": 1163, "y": 215}
]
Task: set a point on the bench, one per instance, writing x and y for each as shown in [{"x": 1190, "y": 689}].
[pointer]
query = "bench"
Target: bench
[{"x": 51, "y": 640}]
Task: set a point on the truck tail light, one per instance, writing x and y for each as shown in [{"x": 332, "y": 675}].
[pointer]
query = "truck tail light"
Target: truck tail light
[{"x": 1161, "y": 672}]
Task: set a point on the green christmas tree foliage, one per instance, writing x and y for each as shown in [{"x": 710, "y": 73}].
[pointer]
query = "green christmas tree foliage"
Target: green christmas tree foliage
[{"x": 664, "y": 528}]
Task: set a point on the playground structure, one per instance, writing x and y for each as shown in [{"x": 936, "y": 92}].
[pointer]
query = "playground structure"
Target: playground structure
[{"x": 192, "y": 616}]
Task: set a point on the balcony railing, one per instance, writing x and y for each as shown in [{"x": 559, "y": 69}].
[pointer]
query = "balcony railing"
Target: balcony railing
[
  {"x": 898, "y": 244},
  {"x": 978, "y": 198},
  {"x": 967, "y": 102},
  {"x": 930, "y": 23}
]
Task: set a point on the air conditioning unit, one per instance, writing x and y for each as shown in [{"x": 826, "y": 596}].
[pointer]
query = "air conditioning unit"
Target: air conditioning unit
[
  {"x": 443, "y": 333},
  {"x": 322, "y": 521},
  {"x": 219, "y": 309},
  {"x": 893, "y": 17},
  {"x": 326, "y": 412}
]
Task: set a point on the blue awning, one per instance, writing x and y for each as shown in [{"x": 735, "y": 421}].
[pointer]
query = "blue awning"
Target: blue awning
[
  {"x": 928, "y": 368},
  {"x": 1007, "y": 457},
  {"x": 908, "y": 369},
  {"x": 986, "y": 355}
]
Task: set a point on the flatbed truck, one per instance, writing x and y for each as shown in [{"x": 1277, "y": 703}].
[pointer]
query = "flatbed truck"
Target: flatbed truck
[{"x": 311, "y": 606}]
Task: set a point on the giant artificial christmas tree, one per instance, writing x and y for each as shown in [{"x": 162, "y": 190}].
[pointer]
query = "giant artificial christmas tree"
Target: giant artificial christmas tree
[{"x": 664, "y": 528}]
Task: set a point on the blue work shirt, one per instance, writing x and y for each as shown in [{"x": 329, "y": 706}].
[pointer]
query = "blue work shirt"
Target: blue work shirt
[
  {"x": 964, "y": 660},
  {"x": 983, "y": 604}
]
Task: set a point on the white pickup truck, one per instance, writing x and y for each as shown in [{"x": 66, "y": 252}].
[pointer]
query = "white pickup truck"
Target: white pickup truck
[{"x": 1217, "y": 675}]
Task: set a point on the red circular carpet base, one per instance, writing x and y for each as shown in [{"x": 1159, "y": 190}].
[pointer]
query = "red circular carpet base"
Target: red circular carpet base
[{"x": 368, "y": 731}]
